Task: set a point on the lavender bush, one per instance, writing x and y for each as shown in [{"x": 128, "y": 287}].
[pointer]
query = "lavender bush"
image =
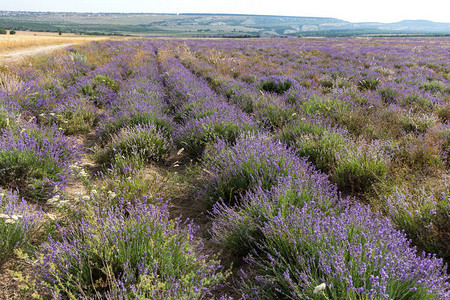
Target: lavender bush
[
  {"x": 423, "y": 216},
  {"x": 19, "y": 222},
  {"x": 36, "y": 161},
  {"x": 136, "y": 145},
  {"x": 197, "y": 133},
  {"x": 238, "y": 228},
  {"x": 122, "y": 253},
  {"x": 315, "y": 140},
  {"x": 277, "y": 84},
  {"x": 74, "y": 117},
  {"x": 353, "y": 255},
  {"x": 254, "y": 160}
]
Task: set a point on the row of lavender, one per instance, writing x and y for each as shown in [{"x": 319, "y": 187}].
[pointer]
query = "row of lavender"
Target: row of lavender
[
  {"x": 270, "y": 206},
  {"x": 376, "y": 133},
  {"x": 298, "y": 236},
  {"x": 116, "y": 242}
]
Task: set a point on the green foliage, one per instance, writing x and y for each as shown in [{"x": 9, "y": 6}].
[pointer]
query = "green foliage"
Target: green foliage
[
  {"x": 417, "y": 122},
  {"x": 273, "y": 115},
  {"x": 242, "y": 100},
  {"x": 204, "y": 131},
  {"x": 29, "y": 172},
  {"x": 317, "y": 143},
  {"x": 325, "y": 106},
  {"x": 326, "y": 82},
  {"x": 322, "y": 149},
  {"x": 359, "y": 167},
  {"x": 388, "y": 95},
  {"x": 7, "y": 119},
  {"x": 132, "y": 188},
  {"x": 105, "y": 80},
  {"x": 19, "y": 222},
  {"x": 136, "y": 253},
  {"x": 78, "y": 57},
  {"x": 423, "y": 217},
  {"x": 12, "y": 32},
  {"x": 275, "y": 87},
  {"x": 73, "y": 118},
  {"x": 368, "y": 84},
  {"x": 134, "y": 146},
  {"x": 94, "y": 94},
  {"x": 417, "y": 102},
  {"x": 3, "y": 31},
  {"x": 435, "y": 86},
  {"x": 113, "y": 126}
]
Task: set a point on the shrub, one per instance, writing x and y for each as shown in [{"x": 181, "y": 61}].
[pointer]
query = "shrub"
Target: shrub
[
  {"x": 315, "y": 141},
  {"x": 277, "y": 84},
  {"x": 324, "y": 106},
  {"x": 368, "y": 84},
  {"x": 7, "y": 119},
  {"x": 105, "y": 80},
  {"x": 417, "y": 102},
  {"x": 100, "y": 90},
  {"x": 358, "y": 167},
  {"x": 197, "y": 133},
  {"x": 132, "y": 188},
  {"x": 19, "y": 222},
  {"x": 311, "y": 254},
  {"x": 388, "y": 95},
  {"x": 123, "y": 253},
  {"x": 73, "y": 117},
  {"x": 423, "y": 217},
  {"x": 294, "y": 130},
  {"x": 326, "y": 82},
  {"x": 3, "y": 31},
  {"x": 417, "y": 122},
  {"x": 272, "y": 112},
  {"x": 434, "y": 86},
  {"x": 111, "y": 126},
  {"x": 254, "y": 160},
  {"x": 36, "y": 161},
  {"x": 238, "y": 228},
  {"x": 136, "y": 145},
  {"x": 12, "y": 32},
  {"x": 78, "y": 57}
]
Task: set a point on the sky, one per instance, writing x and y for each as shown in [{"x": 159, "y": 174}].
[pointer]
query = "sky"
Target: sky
[{"x": 348, "y": 10}]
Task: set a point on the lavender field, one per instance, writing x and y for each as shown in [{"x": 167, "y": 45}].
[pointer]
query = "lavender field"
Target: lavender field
[{"x": 227, "y": 169}]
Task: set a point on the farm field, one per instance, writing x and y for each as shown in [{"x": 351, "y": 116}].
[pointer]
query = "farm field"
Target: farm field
[
  {"x": 24, "y": 40},
  {"x": 227, "y": 169}
]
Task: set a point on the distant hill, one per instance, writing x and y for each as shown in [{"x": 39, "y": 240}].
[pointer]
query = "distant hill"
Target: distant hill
[{"x": 221, "y": 25}]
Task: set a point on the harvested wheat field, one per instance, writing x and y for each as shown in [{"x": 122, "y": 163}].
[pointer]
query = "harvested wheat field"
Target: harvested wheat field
[{"x": 25, "y": 43}]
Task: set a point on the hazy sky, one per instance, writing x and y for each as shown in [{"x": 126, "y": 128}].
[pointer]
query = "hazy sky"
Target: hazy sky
[{"x": 349, "y": 10}]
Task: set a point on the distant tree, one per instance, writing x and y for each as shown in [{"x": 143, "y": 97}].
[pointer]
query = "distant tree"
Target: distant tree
[
  {"x": 60, "y": 32},
  {"x": 12, "y": 32},
  {"x": 2, "y": 31}
]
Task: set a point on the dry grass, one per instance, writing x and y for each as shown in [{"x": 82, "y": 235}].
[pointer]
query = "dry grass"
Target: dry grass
[{"x": 22, "y": 40}]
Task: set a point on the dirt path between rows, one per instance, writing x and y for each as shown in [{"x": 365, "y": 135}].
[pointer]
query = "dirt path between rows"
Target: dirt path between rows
[{"x": 16, "y": 55}]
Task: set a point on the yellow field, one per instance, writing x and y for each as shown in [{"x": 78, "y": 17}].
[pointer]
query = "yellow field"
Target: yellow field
[{"x": 23, "y": 39}]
